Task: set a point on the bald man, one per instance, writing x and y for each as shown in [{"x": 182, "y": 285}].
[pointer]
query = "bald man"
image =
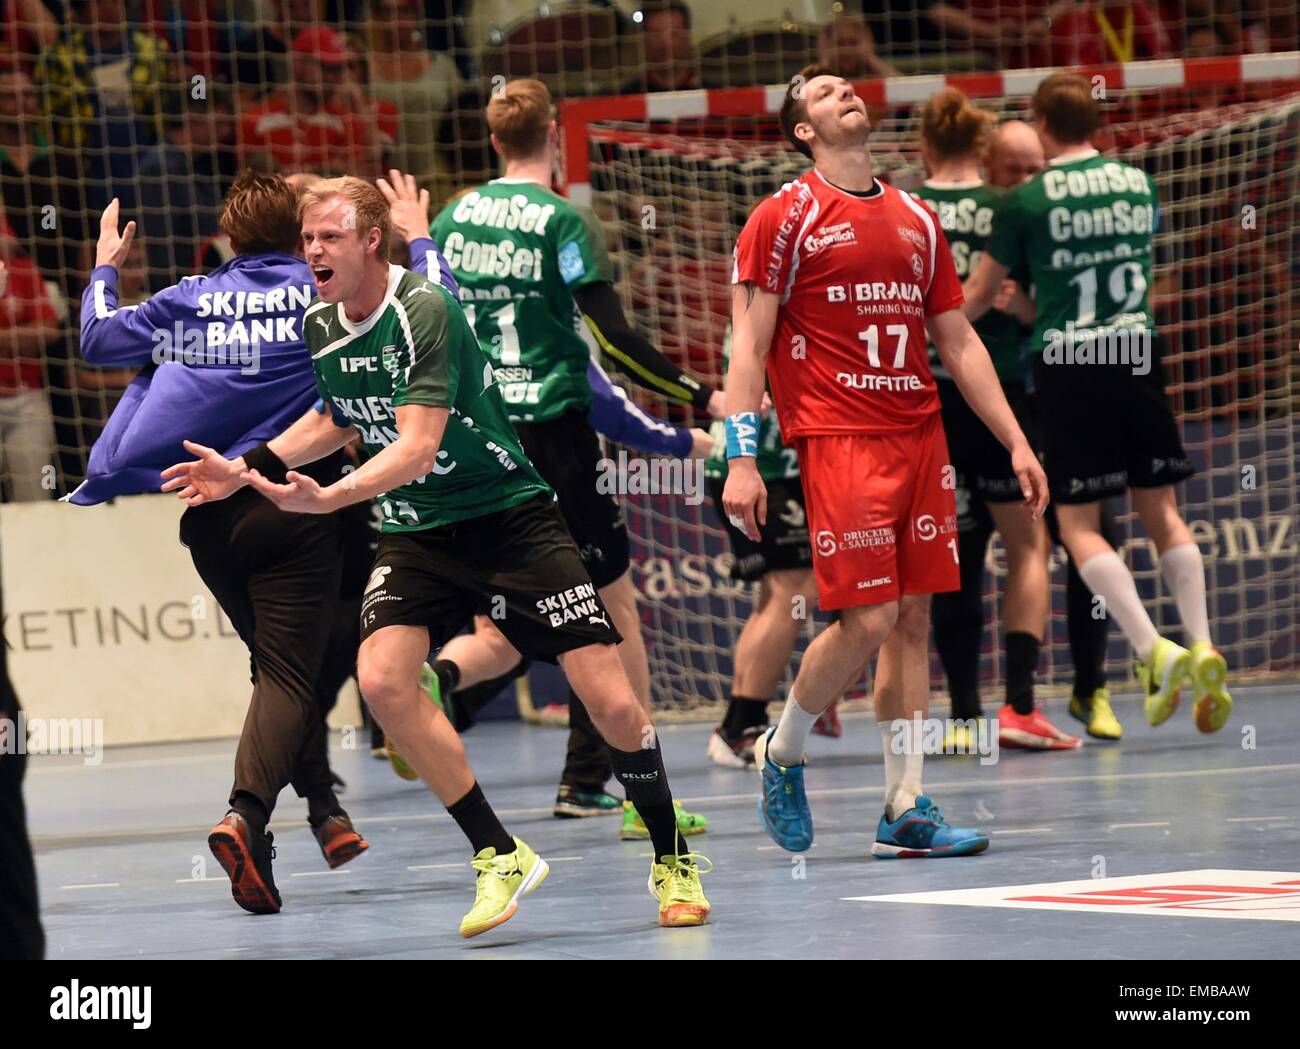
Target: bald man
[{"x": 1015, "y": 154}]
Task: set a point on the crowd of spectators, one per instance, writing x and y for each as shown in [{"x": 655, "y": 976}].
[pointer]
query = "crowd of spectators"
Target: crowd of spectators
[{"x": 161, "y": 102}]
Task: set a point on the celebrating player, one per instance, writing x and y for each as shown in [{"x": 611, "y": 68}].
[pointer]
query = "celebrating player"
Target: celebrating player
[
  {"x": 469, "y": 526},
  {"x": 532, "y": 268},
  {"x": 1085, "y": 228},
  {"x": 225, "y": 360},
  {"x": 838, "y": 280}
]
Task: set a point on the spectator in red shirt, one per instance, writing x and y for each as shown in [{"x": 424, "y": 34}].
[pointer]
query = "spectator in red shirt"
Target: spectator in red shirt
[
  {"x": 26, "y": 29},
  {"x": 28, "y": 324},
  {"x": 307, "y": 125},
  {"x": 1106, "y": 31}
]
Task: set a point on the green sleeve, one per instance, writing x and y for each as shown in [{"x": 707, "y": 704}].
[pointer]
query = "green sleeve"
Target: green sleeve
[
  {"x": 1006, "y": 243},
  {"x": 580, "y": 248},
  {"x": 426, "y": 372}
]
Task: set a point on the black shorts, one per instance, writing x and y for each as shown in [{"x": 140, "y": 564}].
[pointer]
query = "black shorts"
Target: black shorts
[
  {"x": 976, "y": 454},
  {"x": 783, "y": 542},
  {"x": 518, "y": 567},
  {"x": 1106, "y": 430},
  {"x": 566, "y": 452}
]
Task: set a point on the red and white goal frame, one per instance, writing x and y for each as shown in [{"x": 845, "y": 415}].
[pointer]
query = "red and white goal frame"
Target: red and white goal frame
[
  {"x": 576, "y": 115},
  {"x": 1235, "y": 311}
]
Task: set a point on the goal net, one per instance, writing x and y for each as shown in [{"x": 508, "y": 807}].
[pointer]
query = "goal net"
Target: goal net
[{"x": 673, "y": 178}]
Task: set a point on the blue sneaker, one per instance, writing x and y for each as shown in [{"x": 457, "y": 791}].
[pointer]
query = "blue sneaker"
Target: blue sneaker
[
  {"x": 783, "y": 807},
  {"x": 923, "y": 832}
]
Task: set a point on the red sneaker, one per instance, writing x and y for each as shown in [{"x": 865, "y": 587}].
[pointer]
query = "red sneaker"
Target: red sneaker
[
  {"x": 829, "y": 723},
  {"x": 1032, "y": 732}
]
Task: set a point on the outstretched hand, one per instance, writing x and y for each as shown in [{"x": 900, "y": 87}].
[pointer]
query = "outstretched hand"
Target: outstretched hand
[
  {"x": 408, "y": 204},
  {"x": 207, "y": 479},
  {"x": 299, "y": 495},
  {"x": 113, "y": 246}
]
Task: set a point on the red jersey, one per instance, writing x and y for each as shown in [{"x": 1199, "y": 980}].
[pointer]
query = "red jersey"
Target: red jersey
[
  {"x": 857, "y": 277},
  {"x": 24, "y": 302},
  {"x": 329, "y": 140}
]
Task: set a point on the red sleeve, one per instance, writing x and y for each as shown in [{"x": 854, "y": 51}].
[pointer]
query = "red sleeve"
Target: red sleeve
[
  {"x": 389, "y": 120},
  {"x": 767, "y": 245},
  {"x": 945, "y": 286}
]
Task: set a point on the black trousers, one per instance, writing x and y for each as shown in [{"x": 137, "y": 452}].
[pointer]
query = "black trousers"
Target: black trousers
[
  {"x": 276, "y": 576},
  {"x": 21, "y": 935}
]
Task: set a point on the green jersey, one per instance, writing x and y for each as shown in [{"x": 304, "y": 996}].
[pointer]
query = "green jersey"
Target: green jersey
[
  {"x": 519, "y": 252},
  {"x": 418, "y": 348},
  {"x": 966, "y": 214},
  {"x": 1084, "y": 229},
  {"x": 775, "y": 461}
]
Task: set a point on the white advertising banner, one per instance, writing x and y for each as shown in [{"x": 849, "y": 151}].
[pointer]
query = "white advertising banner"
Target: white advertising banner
[{"x": 106, "y": 618}]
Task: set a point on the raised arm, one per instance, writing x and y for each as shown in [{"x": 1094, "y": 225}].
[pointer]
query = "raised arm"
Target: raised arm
[
  {"x": 632, "y": 353},
  {"x": 615, "y": 416}
]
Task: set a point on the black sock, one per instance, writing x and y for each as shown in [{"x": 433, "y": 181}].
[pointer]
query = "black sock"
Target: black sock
[
  {"x": 321, "y": 805},
  {"x": 479, "y": 823},
  {"x": 251, "y": 808},
  {"x": 744, "y": 712},
  {"x": 448, "y": 675},
  {"x": 1022, "y": 662},
  {"x": 646, "y": 784}
]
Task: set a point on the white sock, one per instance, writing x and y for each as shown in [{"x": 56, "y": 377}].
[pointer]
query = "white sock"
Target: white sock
[
  {"x": 1184, "y": 573},
  {"x": 1109, "y": 578},
  {"x": 787, "y": 743},
  {"x": 902, "y": 771},
  {"x": 910, "y": 788},
  {"x": 893, "y": 762}
]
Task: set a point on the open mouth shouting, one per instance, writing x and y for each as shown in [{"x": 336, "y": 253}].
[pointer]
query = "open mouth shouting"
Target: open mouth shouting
[{"x": 322, "y": 275}]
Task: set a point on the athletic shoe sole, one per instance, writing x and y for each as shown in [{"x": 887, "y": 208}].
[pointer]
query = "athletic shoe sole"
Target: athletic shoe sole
[
  {"x": 582, "y": 812},
  {"x": 246, "y": 885},
  {"x": 344, "y": 848},
  {"x": 678, "y": 915},
  {"x": 1214, "y": 705},
  {"x": 532, "y": 879},
  {"x": 900, "y": 852},
  {"x": 1016, "y": 739},
  {"x": 1159, "y": 711},
  {"x": 399, "y": 763}
]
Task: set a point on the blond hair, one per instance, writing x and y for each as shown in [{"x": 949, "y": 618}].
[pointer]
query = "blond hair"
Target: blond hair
[
  {"x": 519, "y": 115},
  {"x": 370, "y": 206},
  {"x": 953, "y": 126}
]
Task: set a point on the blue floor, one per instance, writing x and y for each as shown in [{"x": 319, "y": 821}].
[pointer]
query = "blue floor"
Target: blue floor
[{"x": 125, "y": 872}]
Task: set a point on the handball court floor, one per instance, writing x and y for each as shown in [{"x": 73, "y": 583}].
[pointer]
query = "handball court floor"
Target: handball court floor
[{"x": 125, "y": 872}]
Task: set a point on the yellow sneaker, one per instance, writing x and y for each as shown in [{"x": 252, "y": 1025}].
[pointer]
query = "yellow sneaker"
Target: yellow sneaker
[
  {"x": 634, "y": 828},
  {"x": 1162, "y": 679},
  {"x": 958, "y": 738},
  {"x": 1209, "y": 673},
  {"x": 675, "y": 883},
  {"x": 502, "y": 880},
  {"x": 1097, "y": 715}
]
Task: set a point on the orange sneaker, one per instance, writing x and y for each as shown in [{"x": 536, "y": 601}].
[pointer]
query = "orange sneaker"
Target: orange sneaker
[
  {"x": 339, "y": 841},
  {"x": 1032, "y": 732}
]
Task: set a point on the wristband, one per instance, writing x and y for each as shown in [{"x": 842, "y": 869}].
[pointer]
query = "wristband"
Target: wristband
[
  {"x": 742, "y": 435},
  {"x": 266, "y": 462}
]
